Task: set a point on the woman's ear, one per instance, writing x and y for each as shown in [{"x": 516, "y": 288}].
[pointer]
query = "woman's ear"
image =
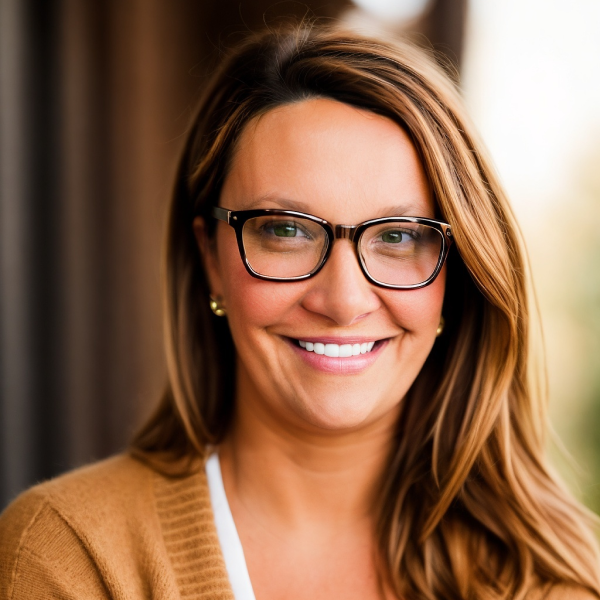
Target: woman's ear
[{"x": 208, "y": 256}]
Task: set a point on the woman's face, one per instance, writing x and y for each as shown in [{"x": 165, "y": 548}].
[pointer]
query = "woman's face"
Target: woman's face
[{"x": 345, "y": 165}]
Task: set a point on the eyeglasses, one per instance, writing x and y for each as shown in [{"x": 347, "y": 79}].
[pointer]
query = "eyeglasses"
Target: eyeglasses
[{"x": 393, "y": 252}]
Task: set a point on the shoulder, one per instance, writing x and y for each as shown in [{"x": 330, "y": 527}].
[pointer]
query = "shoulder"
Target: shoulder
[
  {"x": 77, "y": 524},
  {"x": 109, "y": 488}
]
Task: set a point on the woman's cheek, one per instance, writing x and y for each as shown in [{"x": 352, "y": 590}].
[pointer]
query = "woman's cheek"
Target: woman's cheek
[
  {"x": 253, "y": 302},
  {"x": 261, "y": 303},
  {"x": 417, "y": 311}
]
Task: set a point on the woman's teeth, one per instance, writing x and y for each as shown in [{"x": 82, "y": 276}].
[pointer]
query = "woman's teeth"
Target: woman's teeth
[{"x": 337, "y": 350}]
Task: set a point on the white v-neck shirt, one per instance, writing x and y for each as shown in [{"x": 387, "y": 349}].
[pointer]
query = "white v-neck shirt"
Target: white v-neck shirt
[{"x": 231, "y": 546}]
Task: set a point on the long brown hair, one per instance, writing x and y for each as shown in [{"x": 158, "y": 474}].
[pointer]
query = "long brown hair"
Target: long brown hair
[{"x": 469, "y": 507}]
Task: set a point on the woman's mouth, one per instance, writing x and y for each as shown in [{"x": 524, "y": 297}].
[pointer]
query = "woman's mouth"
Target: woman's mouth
[
  {"x": 337, "y": 350},
  {"x": 351, "y": 356}
]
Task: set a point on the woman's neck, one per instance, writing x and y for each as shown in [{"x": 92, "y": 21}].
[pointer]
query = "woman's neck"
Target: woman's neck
[{"x": 293, "y": 478}]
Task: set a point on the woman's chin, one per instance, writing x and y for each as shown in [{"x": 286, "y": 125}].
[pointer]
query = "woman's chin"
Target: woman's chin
[{"x": 339, "y": 413}]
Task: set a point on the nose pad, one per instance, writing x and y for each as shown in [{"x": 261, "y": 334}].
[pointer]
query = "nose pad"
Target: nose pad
[{"x": 340, "y": 291}]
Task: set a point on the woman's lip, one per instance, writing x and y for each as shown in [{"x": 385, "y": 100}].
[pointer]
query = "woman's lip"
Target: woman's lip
[
  {"x": 340, "y": 341},
  {"x": 350, "y": 365}
]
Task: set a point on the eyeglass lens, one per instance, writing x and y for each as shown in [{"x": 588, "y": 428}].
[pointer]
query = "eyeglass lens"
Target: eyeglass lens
[
  {"x": 400, "y": 253},
  {"x": 393, "y": 253},
  {"x": 283, "y": 246}
]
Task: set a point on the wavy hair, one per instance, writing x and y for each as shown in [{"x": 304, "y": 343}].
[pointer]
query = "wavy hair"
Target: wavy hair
[{"x": 469, "y": 508}]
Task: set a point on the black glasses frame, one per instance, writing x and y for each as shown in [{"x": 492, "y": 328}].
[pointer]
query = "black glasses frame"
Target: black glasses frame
[{"x": 353, "y": 233}]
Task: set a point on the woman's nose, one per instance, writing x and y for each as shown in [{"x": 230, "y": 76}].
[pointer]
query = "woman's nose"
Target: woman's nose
[{"x": 340, "y": 290}]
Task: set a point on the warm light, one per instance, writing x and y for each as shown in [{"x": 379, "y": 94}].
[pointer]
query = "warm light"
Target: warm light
[{"x": 395, "y": 10}]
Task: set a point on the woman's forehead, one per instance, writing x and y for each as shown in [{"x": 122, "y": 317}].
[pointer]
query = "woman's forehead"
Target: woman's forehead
[{"x": 329, "y": 158}]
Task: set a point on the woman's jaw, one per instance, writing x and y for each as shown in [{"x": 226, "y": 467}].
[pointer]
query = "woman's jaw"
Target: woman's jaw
[{"x": 323, "y": 393}]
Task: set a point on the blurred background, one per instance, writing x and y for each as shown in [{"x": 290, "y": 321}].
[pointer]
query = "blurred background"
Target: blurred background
[{"x": 95, "y": 99}]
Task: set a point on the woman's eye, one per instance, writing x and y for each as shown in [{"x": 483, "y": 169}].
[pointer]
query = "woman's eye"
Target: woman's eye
[
  {"x": 394, "y": 236},
  {"x": 285, "y": 230}
]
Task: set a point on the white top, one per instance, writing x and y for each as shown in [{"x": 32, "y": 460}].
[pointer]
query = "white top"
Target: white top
[{"x": 231, "y": 546}]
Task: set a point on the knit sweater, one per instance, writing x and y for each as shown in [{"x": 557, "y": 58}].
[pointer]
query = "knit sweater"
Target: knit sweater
[
  {"x": 116, "y": 529},
  {"x": 119, "y": 529}
]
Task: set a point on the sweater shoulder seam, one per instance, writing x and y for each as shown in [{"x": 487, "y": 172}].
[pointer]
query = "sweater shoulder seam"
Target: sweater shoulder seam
[
  {"x": 21, "y": 546},
  {"x": 46, "y": 503}
]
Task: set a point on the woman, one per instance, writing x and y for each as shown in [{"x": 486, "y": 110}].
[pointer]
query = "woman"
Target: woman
[{"x": 355, "y": 417}]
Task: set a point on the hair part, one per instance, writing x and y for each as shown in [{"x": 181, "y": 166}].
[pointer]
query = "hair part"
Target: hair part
[{"x": 469, "y": 507}]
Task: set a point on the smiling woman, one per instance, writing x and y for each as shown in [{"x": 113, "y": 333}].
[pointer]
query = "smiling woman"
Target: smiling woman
[
  {"x": 352, "y": 166},
  {"x": 349, "y": 411}
]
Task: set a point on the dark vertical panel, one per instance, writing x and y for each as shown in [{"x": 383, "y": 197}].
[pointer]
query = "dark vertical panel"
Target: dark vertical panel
[
  {"x": 43, "y": 175},
  {"x": 445, "y": 28},
  {"x": 17, "y": 454},
  {"x": 85, "y": 240},
  {"x": 31, "y": 426}
]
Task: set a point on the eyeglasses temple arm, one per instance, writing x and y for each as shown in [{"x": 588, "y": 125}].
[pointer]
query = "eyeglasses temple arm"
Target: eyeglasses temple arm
[{"x": 221, "y": 213}]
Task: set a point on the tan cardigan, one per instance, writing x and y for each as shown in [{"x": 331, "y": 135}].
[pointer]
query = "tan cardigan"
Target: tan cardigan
[
  {"x": 120, "y": 530},
  {"x": 116, "y": 529}
]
